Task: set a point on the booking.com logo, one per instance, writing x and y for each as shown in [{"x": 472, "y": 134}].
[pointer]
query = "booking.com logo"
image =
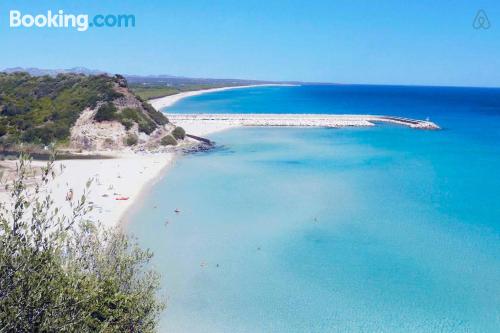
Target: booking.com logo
[{"x": 80, "y": 22}]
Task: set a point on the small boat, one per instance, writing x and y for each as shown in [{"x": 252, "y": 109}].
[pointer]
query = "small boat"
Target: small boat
[
  {"x": 177, "y": 211},
  {"x": 122, "y": 198}
]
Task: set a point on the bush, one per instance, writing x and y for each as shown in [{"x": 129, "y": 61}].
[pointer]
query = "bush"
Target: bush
[
  {"x": 131, "y": 140},
  {"x": 106, "y": 112},
  {"x": 130, "y": 113},
  {"x": 179, "y": 133},
  {"x": 67, "y": 273},
  {"x": 168, "y": 140},
  {"x": 129, "y": 116},
  {"x": 147, "y": 127},
  {"x": 158, "y": 117},
  {"x": 127, "y": 123}
]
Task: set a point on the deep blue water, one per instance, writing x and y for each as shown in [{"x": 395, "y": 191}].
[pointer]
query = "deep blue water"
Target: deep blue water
[
  {"x": 383, "y": 229},
  {"x": 411, "y": 101}
]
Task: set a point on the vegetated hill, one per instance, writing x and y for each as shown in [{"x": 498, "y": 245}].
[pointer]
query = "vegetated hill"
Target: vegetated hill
[
  {"x": 157, "y": 80},
  {"x": 87, "y": 112},
  {"x": 152, "y": 86}
]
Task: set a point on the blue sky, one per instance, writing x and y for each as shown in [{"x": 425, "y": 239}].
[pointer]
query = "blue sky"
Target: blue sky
[{"x": 386, "y": 42}]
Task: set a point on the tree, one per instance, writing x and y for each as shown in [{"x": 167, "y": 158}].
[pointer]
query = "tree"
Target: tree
[
  {"x": 67, "y": 273},
  {"x": 179, "y": 133}
]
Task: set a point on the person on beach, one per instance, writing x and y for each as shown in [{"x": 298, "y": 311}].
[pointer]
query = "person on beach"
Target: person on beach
[{"x": 69, "y": 195}]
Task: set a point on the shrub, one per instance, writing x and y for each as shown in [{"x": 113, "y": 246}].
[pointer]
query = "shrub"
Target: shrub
[
  {"x": 128, "y": 116},
  {"x": 131, "y": 140},
  {"x": 130, "y": 113},
  {"x": 127, "y": 123},
  {"x": 158, "y": 117},
  {"x": 168, "y": 140},
  {"x": 179, "y": 133},
  {"x": 68, "y": 273},
  {"x": 3, "y": 130},
  {"x": 106, "y": 112},
  {"x": 147, "y": 126}
]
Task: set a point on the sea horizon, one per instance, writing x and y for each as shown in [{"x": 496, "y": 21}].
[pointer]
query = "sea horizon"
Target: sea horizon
[{"x": 250, "y": 166}]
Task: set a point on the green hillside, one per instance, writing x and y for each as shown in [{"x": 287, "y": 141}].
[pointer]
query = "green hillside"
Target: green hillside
[{"x": 42, "y": 109}]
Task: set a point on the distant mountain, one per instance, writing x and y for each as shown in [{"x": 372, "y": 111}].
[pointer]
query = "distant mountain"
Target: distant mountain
[
  {"x": 146, "y": 80},
  {"x": 169, "y": 80},
  {"x": 33, "y": 71}
]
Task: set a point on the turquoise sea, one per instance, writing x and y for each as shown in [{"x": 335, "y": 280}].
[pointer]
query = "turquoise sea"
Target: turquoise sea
[{"x": 383, "y": 229}]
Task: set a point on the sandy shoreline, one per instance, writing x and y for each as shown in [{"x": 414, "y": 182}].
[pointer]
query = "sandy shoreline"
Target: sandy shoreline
[
  {"x": 164, "y": 102},
  {"x": 131, "y": 175},
  {"x": 126, "y": 176},
  {"x": 202, "y": 128}
]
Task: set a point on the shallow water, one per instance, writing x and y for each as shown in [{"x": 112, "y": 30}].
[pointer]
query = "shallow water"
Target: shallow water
[{"x": 333, "y": 230}]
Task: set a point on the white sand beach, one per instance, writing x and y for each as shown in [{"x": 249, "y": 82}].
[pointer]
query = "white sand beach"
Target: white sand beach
[
  {"x": 164, "y": 102},
  {"x": 125, "y": 176}
]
